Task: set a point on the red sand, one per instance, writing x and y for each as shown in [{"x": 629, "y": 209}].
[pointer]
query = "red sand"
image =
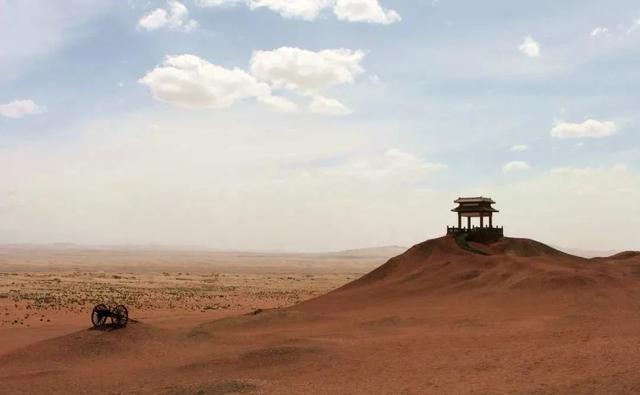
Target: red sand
[{"x": 524, "y": 318}]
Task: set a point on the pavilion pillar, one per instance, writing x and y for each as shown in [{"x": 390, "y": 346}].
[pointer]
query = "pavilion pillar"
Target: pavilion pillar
[
  {"x": 481, "y": 221},
  {"x": 459, "y": 221},
  {"x": 491, "y": 220},
  {"x": 469, "y": 223}
]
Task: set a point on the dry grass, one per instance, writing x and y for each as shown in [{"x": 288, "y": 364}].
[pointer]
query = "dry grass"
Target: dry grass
[
  {"x": 24, "y": 296},
  {"x": 43, "y": 285}
]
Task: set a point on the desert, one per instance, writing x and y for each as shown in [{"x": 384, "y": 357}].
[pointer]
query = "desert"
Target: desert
[
  {"x": 420, "y": 197},
  {"x": 521, "y": 317},
  {"x": 51, "y": 289}
]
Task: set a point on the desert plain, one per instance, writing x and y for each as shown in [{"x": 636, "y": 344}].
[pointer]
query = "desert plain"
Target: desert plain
[{"x": 513, "y": 317}]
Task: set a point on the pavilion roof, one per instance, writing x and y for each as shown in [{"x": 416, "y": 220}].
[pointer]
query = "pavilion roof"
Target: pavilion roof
[
  {"x": 479, "y": 199},
  {"x": 475, "y": 208}
]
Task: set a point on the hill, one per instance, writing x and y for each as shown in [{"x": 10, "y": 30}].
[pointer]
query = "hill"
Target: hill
[
  {"x": 510, "y": 268},
  {"x": 515, "y": 316}
]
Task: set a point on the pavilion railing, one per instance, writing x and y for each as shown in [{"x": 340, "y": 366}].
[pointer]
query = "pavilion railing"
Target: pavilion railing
[{"x": 499, "y": 230}]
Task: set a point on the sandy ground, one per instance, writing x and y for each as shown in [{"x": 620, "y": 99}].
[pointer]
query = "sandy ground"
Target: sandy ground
[
  {"x": 50, "y": 291},
  {"x": 517, "y": 317}
]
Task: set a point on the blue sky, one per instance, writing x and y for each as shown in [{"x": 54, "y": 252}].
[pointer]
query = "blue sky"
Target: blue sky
[{"x": 235, "y": 124}]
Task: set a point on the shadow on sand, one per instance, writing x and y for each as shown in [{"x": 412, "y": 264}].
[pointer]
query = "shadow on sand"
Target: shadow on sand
[{"x": 112, "y": 327}]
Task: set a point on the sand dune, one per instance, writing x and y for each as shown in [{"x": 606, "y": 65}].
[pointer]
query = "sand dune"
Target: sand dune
[
  {"x": 626, "y": 255},
  {"x": 510, "y": 268},
  {"x": 514, "y": 316}
]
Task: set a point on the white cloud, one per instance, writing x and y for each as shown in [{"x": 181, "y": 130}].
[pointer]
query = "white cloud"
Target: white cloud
[
  {"x": 302, "y": 9},
  {"x": 189, "y": 81},
  {"x": 175, "y": 17},
  {"x": 519, "y": 147},
  {"x": 587, "y": 129},
  {"x": 192, "y": 82},
  {"x": 20, "y": 108},
  {"x": 370, "y": 11},
  {"x": 364, "y": 11},
  {"x": 598, "y": 31},
  {"x": 306, "y": 71},
  {"x": 154, "y": 20},
  {"x": 324, "y": 105},
  {"x": 636, "y": 24},
  {"x": 530, "y": 47},
  {"x": 219, "y": 3},
  {"x": 514, "y": 166}
]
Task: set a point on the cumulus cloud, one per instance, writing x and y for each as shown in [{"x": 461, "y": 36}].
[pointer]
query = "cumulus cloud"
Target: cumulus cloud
[
  {"x": 325, "y": 105},
  {"x": 306, "y": 71},
  {"x": 153, "y": 20},
  {"x": 370, "y": 11},
  {"x": 302, "y": 9},
  {"x": 588, "y": 129},
  {"x": 175, "y": 16},
  {"x": 515, "y": 166},
  {"x": 519, "y": 147},
  {"x": 364, "y": 11},
  {"x": 189, "y": 81},
  {"x": 20, "y": 108},
  {"x": 530, "y": 47}
]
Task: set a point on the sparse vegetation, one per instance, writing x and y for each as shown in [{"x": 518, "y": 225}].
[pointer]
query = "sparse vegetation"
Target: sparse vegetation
[{"x": 74, "y": 292}]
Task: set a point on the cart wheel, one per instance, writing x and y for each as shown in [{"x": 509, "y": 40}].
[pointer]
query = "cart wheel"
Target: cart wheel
[
  {"x": 119, "y": 316},
  {"x": 99, "y": 315}
]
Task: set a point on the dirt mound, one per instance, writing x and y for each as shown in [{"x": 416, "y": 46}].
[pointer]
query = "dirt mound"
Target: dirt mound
[
  {"x": 527, "y": 248},
  {"x": 442, "y": 263},
  {"x": 443, "y": 267},
  {"x": 625, "y": 255},
  {"x": 91, "y": 344}
]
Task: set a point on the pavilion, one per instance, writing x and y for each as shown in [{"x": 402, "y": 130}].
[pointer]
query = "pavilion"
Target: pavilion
[{"x": 474, "y": 207}]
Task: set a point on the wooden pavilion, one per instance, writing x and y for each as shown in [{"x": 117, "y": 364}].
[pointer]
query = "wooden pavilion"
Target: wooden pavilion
[{"x": 474, "y": 207}]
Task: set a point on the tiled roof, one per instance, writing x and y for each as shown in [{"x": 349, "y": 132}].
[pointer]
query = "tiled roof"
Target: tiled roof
[{"x": 478, "y": 199}]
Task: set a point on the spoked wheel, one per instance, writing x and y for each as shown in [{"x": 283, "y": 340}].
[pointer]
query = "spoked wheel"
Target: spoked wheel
[
  {"x": 119, "y": 316},
  {"x": 99, "y": 315}
]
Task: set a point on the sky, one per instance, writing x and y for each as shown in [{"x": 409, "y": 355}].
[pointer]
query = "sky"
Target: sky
[{"x": 317, "y": 125}]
